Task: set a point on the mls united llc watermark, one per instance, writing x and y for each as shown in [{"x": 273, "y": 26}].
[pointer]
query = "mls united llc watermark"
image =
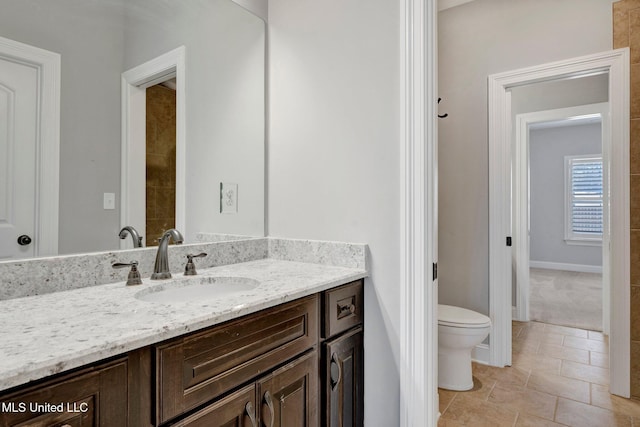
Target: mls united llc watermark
[{"x": 46, "y": 407}]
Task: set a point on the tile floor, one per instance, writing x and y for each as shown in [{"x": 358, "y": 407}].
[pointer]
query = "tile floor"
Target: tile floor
[{"x": 559, "y": 377}]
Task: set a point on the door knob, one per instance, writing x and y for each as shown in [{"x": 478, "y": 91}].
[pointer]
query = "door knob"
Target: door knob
[{"x": 24, "y": 240}]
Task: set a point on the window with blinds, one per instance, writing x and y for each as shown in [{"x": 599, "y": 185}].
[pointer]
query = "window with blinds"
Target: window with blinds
[{"x": 584, "y": 211}]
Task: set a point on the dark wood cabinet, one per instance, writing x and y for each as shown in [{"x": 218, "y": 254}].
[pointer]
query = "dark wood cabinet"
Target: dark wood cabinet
[
  {"x": 343, "y": 356},
  {"x": 299, "y": 364},
  {"x": 197, "y": 368},
  {"x": 343, "y": 383},
  {"x": 236, "y": 410},
  {"x": 110, "y": 394},
  {"x": 289, "y": 395}
]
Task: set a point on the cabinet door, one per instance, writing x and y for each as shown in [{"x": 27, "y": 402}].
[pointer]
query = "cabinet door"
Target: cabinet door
[
  {"x": 343, "y": 383},
  {"x": 236, "y": 410},
  {"x": 289, "y": 396},
  {"x": 93, "y": 398}
]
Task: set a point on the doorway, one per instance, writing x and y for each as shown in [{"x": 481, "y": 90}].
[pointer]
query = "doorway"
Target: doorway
[
  {"x": 502, "y": 256},
  {"x": 560, "y": 171},
  {"x": 160, "y": 160},
  {"x": 135, "y": 82}
]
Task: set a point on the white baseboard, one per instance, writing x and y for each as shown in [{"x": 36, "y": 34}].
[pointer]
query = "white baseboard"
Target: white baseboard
[
  {"x": 566, "y": 267},
  {"x": 480, "y": 354}
]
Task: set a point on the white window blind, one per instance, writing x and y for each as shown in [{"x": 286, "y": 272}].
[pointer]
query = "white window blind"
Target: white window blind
[{"x": 584, "y": 213}]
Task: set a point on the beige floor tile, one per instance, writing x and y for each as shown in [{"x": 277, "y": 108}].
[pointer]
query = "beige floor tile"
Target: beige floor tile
[
  {"x": 525, "y": 401},
  {"x": 509, "y": 376},
  {"x": 468, "y": 411},
  {"x": 585, "y": 344},
  {"x": 516, "y": 328},
  {"x": 601, "y": 397},
  {"x": 535, "y": 325},
  {"x": 552, "y": 338},
  {"x": 565, "y": 330},
  {"x": 580, "y": 371},
  {"x": 565, "y": 353},
  {"x": 449, "y": 423},
  {"x": 579, "y": 414},
  {"x": 560, "y": 386},
  {"x": 481, "y": 388},
  {"x": 445, "y": 397},
  {"x": 536, "y": 362},
  {"x": 525, "y": 420},
  {"x": 525, "y": 343},
  {"x": 599, "y": 359}
]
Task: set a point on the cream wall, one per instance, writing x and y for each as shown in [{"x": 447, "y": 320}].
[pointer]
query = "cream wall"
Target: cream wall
[
  {"x": 477, "y": 39},
  {"x": 334, "y": 155}
]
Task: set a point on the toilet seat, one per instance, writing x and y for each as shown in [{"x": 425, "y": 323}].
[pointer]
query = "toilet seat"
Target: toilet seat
[{"x": 458, "y": 317}]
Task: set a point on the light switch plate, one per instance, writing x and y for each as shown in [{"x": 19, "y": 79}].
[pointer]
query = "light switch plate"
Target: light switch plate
[
  {"x": 228, "y": 198},
  {"x": 109, "y": 201}
]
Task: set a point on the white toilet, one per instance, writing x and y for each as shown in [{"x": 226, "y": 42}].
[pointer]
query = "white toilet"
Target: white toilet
[{"x": 459, "y": 331}]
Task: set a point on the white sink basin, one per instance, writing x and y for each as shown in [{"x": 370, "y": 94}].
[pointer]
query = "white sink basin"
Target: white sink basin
[{"x": 197, "y": 289}]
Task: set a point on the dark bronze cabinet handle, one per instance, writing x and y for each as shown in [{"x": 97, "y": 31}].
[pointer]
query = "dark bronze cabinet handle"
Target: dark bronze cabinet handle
[
  {"x": 269, "y": 401},
  {"x": 248, "y": 409},
  {"x": 334, "y": 360},
  {"x": 346, "y": 309}
]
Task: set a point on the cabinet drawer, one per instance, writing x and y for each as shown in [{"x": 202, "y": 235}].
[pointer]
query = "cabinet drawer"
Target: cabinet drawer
[
  {"x": 343, "y": 308},
  {"x": 200, "y": 367},
  {"x": 237, "y": 409}
]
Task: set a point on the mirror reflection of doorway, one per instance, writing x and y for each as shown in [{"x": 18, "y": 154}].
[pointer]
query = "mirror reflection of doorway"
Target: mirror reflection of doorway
[{"x": 160, "y": 160}]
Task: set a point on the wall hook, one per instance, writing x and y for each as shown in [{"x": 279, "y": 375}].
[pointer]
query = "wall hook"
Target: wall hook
[{"x": 443, "y": 115}]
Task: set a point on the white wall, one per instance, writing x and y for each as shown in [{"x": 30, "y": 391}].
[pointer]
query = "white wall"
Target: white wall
[
  {"x": 477, "y": 39},
  {"x": 259, "y": 8},
  {"x": 90, "y": 38},
  {"x": 225, "y": 60},
  {"x": 334, "y": 155},
  {"x": 547, "y": 149}
]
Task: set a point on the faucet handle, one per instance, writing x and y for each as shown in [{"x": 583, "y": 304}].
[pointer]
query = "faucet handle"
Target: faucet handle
[
  {"x": 190, "y": 268},
  {"x": 134, "y": 275}
]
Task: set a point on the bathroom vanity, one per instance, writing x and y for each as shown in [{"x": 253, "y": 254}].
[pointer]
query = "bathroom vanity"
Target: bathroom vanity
[{"x": 283, "y": 354}]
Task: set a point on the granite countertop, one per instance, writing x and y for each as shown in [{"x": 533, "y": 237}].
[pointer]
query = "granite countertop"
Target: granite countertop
[{"x": 47, "y": 334}]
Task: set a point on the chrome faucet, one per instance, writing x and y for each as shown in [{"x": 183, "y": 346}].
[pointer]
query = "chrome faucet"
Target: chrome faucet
[
  {"x": 135, "y": 236},
  {"x": 161, "y": 268}
]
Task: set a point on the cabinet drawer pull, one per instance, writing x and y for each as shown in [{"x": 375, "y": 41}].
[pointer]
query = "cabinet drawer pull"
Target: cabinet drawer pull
[
  {"x": 248, "y": 408},
  {"x": 269, "y": 401},
  {"x": 334, "y": 360},
  {"x": 345, "y": 310}
]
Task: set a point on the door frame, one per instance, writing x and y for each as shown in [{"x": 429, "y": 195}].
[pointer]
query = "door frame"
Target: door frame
[
  {"x": 418, "y": 215},
  {"x": 47, "y": 65},
  {"x": 133, "y": 175},
  {"x": 616, "y": 63},
  {"x": 521, "y": 198}
]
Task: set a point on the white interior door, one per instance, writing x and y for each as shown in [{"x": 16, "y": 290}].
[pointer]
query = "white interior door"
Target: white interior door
[
  {"x": 18, "y": 133},
  {"x": 29, "y": 150}
]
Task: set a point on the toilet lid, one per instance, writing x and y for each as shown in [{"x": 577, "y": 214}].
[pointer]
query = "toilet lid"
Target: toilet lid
[{"x": 449, "y": 315}]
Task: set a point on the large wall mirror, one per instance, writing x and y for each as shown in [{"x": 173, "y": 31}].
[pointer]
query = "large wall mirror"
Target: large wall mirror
[{"x": 223, "y": 124}]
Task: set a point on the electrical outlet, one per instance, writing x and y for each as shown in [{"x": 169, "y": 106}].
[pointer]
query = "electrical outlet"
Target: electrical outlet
[
  {"x": 228, "y": 197},
  {"x": 109, "y": 201}
]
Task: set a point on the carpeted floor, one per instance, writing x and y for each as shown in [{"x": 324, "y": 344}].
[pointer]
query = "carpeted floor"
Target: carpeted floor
[{"x": 566, "y": 298}]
